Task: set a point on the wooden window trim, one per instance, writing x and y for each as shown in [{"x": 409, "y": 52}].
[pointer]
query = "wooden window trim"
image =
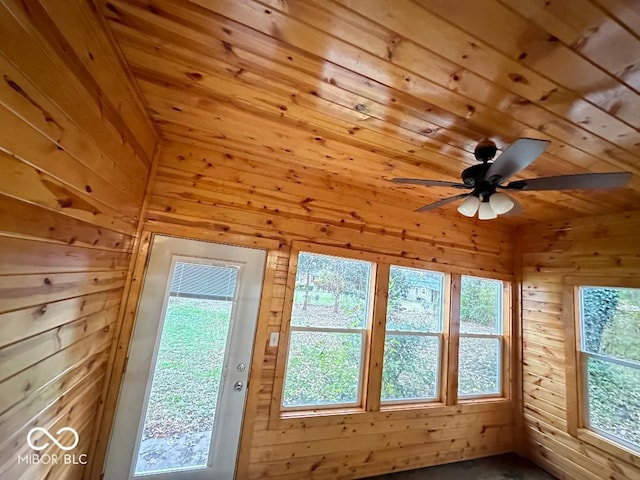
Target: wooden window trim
[
  {"x": 453, "y": 340},
  {"x": 575, "y": 376},
  {"x": 506, "y": 346},
  {"x": 362, "y": 376},
  {"x": 373, "y": 363},
  {"x": 608, "y": 445},
  {"x": 283, "y": 343},
  {"x": 277, "y": 411},
  {"x": 378, "y": 332},
  {"x": 508, "y": 339},
  {"x": 443, "y": 337}
]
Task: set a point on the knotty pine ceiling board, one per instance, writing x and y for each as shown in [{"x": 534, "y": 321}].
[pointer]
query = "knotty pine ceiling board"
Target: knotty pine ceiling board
[{"x": 367, "y": 90}]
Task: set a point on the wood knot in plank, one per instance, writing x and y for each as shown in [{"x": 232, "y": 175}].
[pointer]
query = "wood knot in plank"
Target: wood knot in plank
[
  {"x": 227, "y": 46},
  {"x": 517, "y": 78},
  {"x": 194, "y": 76}
]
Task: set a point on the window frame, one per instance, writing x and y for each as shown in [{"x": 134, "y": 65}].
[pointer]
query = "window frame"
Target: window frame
[
  {"x": 280, "y": 417},
  {"x": 443, "y": 342},
  {"x": 425, "y": 400},
  {"x": 503, "y": 343},
  {"x": 365, "y": 333},
  {"x": 363, "y": 353},
  {"x": 576, "y": 365}
]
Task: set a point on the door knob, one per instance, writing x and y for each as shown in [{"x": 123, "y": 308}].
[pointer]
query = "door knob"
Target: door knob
[{"x": 238, "y": 386}]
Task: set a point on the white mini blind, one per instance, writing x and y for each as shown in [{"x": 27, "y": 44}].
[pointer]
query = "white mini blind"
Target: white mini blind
[{"x": 203, "y": 281}]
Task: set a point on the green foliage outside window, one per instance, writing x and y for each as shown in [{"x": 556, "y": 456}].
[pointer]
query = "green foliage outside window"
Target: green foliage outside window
[
  {"x": 411, "y": 362},
  {"x": 324, "y": 367},
  {"x": 331, "y": 292},
  {"x": 611, "y": 327},
  {"x": 598, "y": 307},
  {"x": 479, "y": 301}
]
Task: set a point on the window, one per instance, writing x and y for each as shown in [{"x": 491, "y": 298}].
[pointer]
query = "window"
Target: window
[
  {"x": 609, "y": 362},
  {"x": 413, "y": 340},
  {"x": 330, "y": 318},
  {"x": 368, "y": 332},
  {"x": 481, "y": 330}
]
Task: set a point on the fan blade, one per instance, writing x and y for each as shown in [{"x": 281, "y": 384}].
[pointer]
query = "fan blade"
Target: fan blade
[
  {"x": 518, "y": 156},
  {"x": 573, "y": 182},
  {"x": 442, "y": 202},
  {"x": 429, "y": 183}
]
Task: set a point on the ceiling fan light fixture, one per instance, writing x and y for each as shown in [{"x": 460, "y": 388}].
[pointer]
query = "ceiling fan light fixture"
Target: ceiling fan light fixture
[
  {"x": 469, "y": 207},
  {"x": 483, "y": 180},
  {"x": 486, "y": 211},
  {"x": 500, "y": 203}
]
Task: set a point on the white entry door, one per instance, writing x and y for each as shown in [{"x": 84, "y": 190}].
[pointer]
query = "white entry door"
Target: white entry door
[{"x": 182, "y": 400}]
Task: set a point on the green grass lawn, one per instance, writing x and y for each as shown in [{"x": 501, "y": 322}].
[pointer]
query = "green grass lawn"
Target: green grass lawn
[{"x": 189, "y": 367}]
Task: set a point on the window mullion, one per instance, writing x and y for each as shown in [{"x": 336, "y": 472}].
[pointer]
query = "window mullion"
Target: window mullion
[
  {"x": 378, "y": 328},
  {"x": 454, "y": 340}
]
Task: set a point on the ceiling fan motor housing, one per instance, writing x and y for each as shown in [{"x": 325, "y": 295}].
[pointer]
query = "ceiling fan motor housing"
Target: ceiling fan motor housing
[
  {"x": 485, "y": 151},
  {"x": 474, "y": 176}
]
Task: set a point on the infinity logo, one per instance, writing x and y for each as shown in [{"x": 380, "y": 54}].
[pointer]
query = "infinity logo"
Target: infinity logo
[{"x": 55, "y": 442}]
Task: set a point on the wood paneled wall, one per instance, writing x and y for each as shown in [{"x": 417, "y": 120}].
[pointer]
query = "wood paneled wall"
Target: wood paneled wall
[
  {"x": 599, "y": 246},
  {"x": 75, "y": 152},
  {"x": 207, "y": 192}
]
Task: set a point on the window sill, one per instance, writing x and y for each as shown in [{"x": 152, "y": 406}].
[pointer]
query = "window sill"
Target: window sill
[
  {"x": 610, "y": 446},
  {"x": 482, "y": 399},
  {"x": 401, "y": 407},
  {"x": 320, "y": 412},
  {"x": 322, "y": 417}
]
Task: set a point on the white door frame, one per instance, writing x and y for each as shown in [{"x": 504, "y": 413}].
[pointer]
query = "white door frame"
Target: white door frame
[{"x": 136, "y": 383}]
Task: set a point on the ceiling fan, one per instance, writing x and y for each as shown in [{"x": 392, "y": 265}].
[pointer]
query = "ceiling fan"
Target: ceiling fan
[{"x": 486, "y": 178}]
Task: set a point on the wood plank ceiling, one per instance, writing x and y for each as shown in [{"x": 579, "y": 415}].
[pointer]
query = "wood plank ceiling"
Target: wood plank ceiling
[{"x": 365, "y": 90}]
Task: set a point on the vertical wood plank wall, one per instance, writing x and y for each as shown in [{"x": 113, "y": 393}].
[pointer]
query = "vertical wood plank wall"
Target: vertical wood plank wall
[
  {"x": 207, "y": 192},
  {"x": 75, "y": 151},
  {"x": 601, "y": 246}
]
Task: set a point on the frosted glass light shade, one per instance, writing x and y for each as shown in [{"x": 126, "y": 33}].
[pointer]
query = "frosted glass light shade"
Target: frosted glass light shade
[
  {"x": 486, "y": 211},
  {"x": 500, "y": 203},
  {"x": 469, "y": 207}
]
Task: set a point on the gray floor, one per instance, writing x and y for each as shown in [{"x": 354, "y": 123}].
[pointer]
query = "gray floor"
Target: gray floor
[{"x": 502, "y": 467}]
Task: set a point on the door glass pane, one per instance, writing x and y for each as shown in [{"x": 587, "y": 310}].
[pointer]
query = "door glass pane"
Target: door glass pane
[
  {"x": 480, "y": 305},
  {"x": 410, "y": 368},
  {"x": 178, "y": 422},
  {"x": 323, "y": 368},
  {"x": 479, "y": 366}
]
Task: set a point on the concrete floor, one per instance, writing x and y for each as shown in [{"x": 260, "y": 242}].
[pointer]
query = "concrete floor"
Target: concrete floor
[{"x": 501, "y": 467}]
